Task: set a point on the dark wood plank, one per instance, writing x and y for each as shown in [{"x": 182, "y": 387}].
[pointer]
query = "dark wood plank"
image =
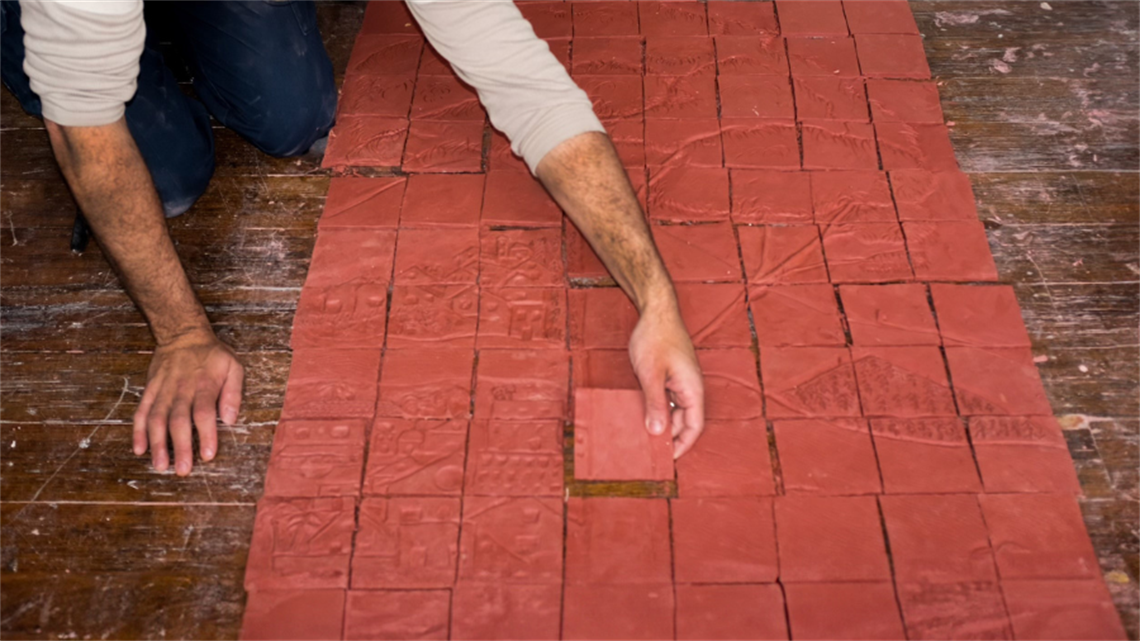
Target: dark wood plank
[
  {"x": 1081, "y": 315},
  {"x": 1088, "y": 380},
  {"x": 1058, "y": 197},
  {"x": 1066, "y": 253}
]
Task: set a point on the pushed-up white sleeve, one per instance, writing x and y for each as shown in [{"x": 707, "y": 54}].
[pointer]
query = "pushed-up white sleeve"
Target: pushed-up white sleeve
[
  {"x": 526, "y": 91},
  {"x": 82, "y": 57}
]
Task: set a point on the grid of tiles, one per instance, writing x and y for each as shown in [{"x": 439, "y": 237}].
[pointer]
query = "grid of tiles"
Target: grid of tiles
[{"x": 880, "y": 459}]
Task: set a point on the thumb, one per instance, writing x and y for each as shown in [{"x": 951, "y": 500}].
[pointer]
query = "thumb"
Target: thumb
[{"x": 657, "y": 412}]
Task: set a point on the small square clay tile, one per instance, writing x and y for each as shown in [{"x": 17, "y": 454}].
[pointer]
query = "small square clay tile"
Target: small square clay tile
[
  {"x": 426, "y": 383},
  {"x": 607, "y": 55},
  {"x": 316, "y": 458},
  {"x": 925, "y": 195},
  {"x": 892, "y": 56},
  {"x": 827, "y": 457},
  {"x": 332, "y": 383},
  {"x": 756, "y": 97},
  {"x": 730, "y": 611},
  {"x": 693, "y": 142},
  {"x": 549, "y": 19},
  {"x": 979, "y": 316},
  {"x": 515, "y": 458},
  {"x": 300, "y": 544},
  {"x": 732, "y": 387},
  {"x": 902, "y": 382},
  {"x": 312, "y": 615},
  {"x": 680, "y": 56},
  {"x": 680, "y": 97},
  {"x": 888, "y": 315},
  {"x": 416, "y": 457},
  {"x": 776, "y": 255},
  {"x": 716, "y": 314},
  {"x": 437, "y": 256},
  {"x": 446, "y": 98},
  {"x": 500, "y": 157},
  {"x": 758, "y": 143},
  {"x": 521, "y": 258},
  {"x": 770, "y": 197},
  {"x": 833, "y": 56},
  {"x": 396, "y": 614},
  {"x": 724, "y": 540},
  {"x": 444, "y": 146},
  {"x": 924, "y": 456},
  {"x": 830, "y": 538},
  {"x": 342, "y": 317},
  {"x": 796, "y": 315},
  {"x": 496, "y": 611},
  {"x": 672, "y": 18},
  {"x": 391, "y": 18},
  {"x": 938, "y": 539},
  {"x": 680, "y": 193},
  {"x": 522, "y": 384},
  {"x": 433, "y": 64},
  {"x": 406, "y": 542},
  {"x": 750, "y": 54},
  {"x": 844, "y": 611},
  {"x": 915, "y": 146},
  {"x": 827, "y": 98},
  {"x": 997, "y": 382},
  {"x": 363, "y": 202},
  {"x": 903, "y": 101},
  {"x": 866, "y": 253},
  {"x": 581, "y": 260},
  {"x": 699, "y": 253},
  {"x": 371, "y": 95},
  {"x": 441, "y": 200},
  {"x": 811, "y": 17},
  {"x": 560, "y": 49},
  {"x": 611, "y": 442},
  {"x": 730, "y": 459},
  {"x": 366, "y": 141},
  {"x": 511, "y": 540},
  {"x": 1039, "y": 536},
  {"x": 1022, "y": 454},
  {"x": 851, "y": 197},
  {"x": 950, "y": 250},
  {"x": 617, "y": 540},
  {"x": 741, "y": 19},
  {"x": 628, "y": 137},
  {"x": 605, "y": 18},
  {"x": 603, "y": 368},
  {"x": 601, "y": 317},
  {"x": 879, "y": 16},
  {"x": 1062, "y": 610},
  {"x": 614, "y": 97},
  {"x": 633, "y": 612},
  {"x": 385, "y": 54},
  {"x": 972, "y": 610},
  {"x": 352, "y": 256},
  {"x": 518, "y": 200},
  {"x": 834, "y": 144},
  {"x": 433, "y": 316},
  {"x": 522, "y": 318},
  {"x": 810, "y": 382}
]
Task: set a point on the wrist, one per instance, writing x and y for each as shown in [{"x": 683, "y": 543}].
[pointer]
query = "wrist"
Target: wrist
[
  {"x": 194, "y": 334},
  {"x": 660, "y": 300}
]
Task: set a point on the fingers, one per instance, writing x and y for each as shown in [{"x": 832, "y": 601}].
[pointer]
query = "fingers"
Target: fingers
[
  {"x": 156, "y": 424},
  {"x": 181, "y": 433},
  {"x": 689, "y": 416},
  {"x": 656, "y": 401},
  {"x": 230, "y": 402},
  {"x": 142, "y": 412},
  {"x": 206, "y": 420}
]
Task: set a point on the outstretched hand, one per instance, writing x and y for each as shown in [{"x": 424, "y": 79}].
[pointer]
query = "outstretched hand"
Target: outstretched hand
[{"x": 666, "y": 365}]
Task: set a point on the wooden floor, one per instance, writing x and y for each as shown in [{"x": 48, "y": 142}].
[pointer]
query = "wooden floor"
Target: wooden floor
[{"x": 1044, "y": 101}]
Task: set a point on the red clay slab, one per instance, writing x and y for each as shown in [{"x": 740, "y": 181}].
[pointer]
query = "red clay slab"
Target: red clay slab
[
  {"x": 363, "y": 202},
  {"x": 688, "y": 194},
  {"x": 879, "y": 16},
  {"x": 1039, "y": 536},
  {"x": 634, "y": 612},
  {"x": 273, "y": 615},
  {"x": 488, "y": 611},
  {"x": 501, "y": 157},
  {"x": 434, "y": 200},
  {"x": 385, "y": 54},
  {"x": 892, "y": 56},
  {"x": 924, "y": 455},
  {"x": 716, "y": 314},
  {"x": 613, "y": 97},
  {"x": 782, "y": 255},
  {"x": 521, "y": 258},
  {"x": 560, "y": 48},
  {"x": 810, "y": 382},
  {"x": 724, "y": 540},
  {"x": 979, "y": 316},
  {"x": 522, "y": 318},
  {"x": 832, "y": 57},
  {"x": 446, "y": 98},
  {"x": 756, "y": 97},
  {"x": 433, "y": 316},
  {"x": 902, "y": 382},
  {"x": 925, "y": 195},
  {"x": 437, "y": 256},
  {"x": 756, "y": 143},
  {"x": 672, "y": 18},
  {"x": 433, "y": 64},
  {"x": 581, "y": 260},
  {"x": 770, "y": 197},
  {"x": 406, "y": 542},
  {"x": 515, "y": 458},
  {"x": 612, "y": 55},
  {"x": 699, "y": 253},
  {"x": 851, "y": 197},
  {"x": 833, "y": 144},
  {"x": 1022, "y": 454},
  {"x": 950, "y": 250},
  {"x": 827, "y": 457},
  {"x": 750, "y": 53},
  {"x": 730, "y": 611},
  {"x": 347, "y": 316},
  {"x": 680, "y": 97},
  {"x": 915, "y": 146},
  {"x": 611, "y": 442},
  {"x": 827, "y": 611},
  {"x": 896, "y": 314},
  {"x": 824, "y": 98},
  {"x": 395, "y": 614},
  {"x": 1062, "y": 610},
  {"x": 811, "y": 17},
  {"x": 366, "y": 141},
  {"x": 680, "y": 56},
  {"x": 866, "y": 253},
  {"x": 426, "y": 383},
  {"x": 343, "y": 256},
  {"x": 732, "y": 389},
  {"x": 796, "y": 315},
  {"x": 518, "y": 200},
  {"x": 727, "y": 19},
  {"x": 316, "y": 458},
  {"x": 332, "y": 383},
  {"x": 601, "y": 317},
  {"x": 549, "y": 19},
  {"x": 730, "y": 459},
  {"x": 694, "y": 141},
  {"x": 628, "y": 137},
  {"x": 830, "y": 538},
  {"x": 611, "y": 541},
  {"x": 904, "y": 101},
  {"x": 605, "y": 18},
  {"x": 953, "y": 611},
  {"x": 392, "y": 18},
  {"x": 444, "y": 146},
  {"x": 300, "y": 544},
  {"x": 997, "y": 382},
  {"x": 938, "y": 539},
  {"x": 416, "y": 457},
  {"x": 511, "y": 540},
  {"x": 522, "y": 384},
  {"x": 604, "y": 368}
]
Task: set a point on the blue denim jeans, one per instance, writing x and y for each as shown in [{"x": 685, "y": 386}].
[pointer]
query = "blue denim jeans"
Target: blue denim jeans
[{"x": 260, "y": 68}]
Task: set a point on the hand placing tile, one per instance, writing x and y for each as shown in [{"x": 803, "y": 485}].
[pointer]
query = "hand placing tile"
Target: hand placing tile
[{"x": 611, "y": 442}]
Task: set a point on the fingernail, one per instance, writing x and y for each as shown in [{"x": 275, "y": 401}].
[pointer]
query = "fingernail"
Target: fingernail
[
  {"x": 183, "y": 468},
  {"x": 656, "y": 426},
  {"x": 207, "y": 454},
  {"x": 229, "y": 415}
]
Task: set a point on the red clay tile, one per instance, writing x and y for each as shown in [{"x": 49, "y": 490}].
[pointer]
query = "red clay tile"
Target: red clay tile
[
  {"x": 796, "y": 315},
  {"x": 1039, "y": 536},
  {"x": 521, "y": 258},
  {"x": 811, "y": 17},
  {"x": 614, "y": 97},
  {"x": 511, "y": 540},
  {"x": 770, "y": 197},
  {"x": 892, "y": 56},
  {"x": 437, "y": 256},
  {"x": 824, "y": 98},
  {"x": 396, "y": 614},
  {"x": 604, "y": 368},
  {"x": 1022, "y": 454},
  {"x": 782, "y": 255},
  {"x": 699, "y": 253},
  {"x": 515, "y": 458},
  {"x": 879, "y": 16},
  {"x": 976, "y": 316},
  {"x": 633, "y": 612},
  {"x": 903, "y": 101},
  {"x": 866, "y": 253},
  {"x": 924, "y": 455},
  {"x": 445, "y": 98},
  {"x": 434, "y": 201},
  {"x": 357, "y": 256},
  {"x": 601, "y": 317},
  {"x": 628, "y": 137},
  {"x": 716, "y": 314},
  {"x": 680, "y": 97},
  {"x": 346, "y": 316},
  {"x": 271, "y": 615},
  {"x": 915, "y": 146},
  {"x": 950, "y": 250},
  {"x": 433, "y": 316},
  {"x": 522, "y": 384},
  {"x": 363, "y": 202},
  {"x": 810, "y": 382},
  {"x": 385, "y": 54},
  {"x": 1062, "y": 610},
  {"x": 416, "y": 456},
  {"x": 488, "y": 611},
  {"x": 888, "y": 315},
  {"x": 610, "y": 439},
  {"x": 830, "y": 538},
  {"x": 730, "y": 459},
  {"x": 688, "y": 194},
  {"x": 832, "y": 57},
  {"x": 742, "y": 19},
  {"x": 672, "y": 18},
  {"x": 724, "y": 540},
  {"x": 372, "y": 95},
  {"x": 581, "y": 260},
  {"x": 560, "y": 49},
  {"x": 611, "y": 541},
  {"x": 693, "y": 142},
  {"x": 433, "y": 64},
  {"x": 605, "y": 18},
  {"x": 444, "y": 146},
  {"x": 730, "y": 611},
  {"x": 407, "y": 542},
  {"x": 426, "y": 383},
  {"x": 938, "y": 539},
  {"x": 851, "y": 197},
  {"x": 827, "y": 457},
  {"x": 522, "y": 317},
  {"x": 997, "y": 382},
  {"x": 750, "y": 54},
  {"x": 613, "y": 55},
  {"x": 332, "y": 383},
  {"x": 953, "y": 611},
  {"x": 924, "y": 195},
  {"x": 680, "y": 56},
  {"x": 732, "y": 388},
  {"x": 549, "y": 19},
  {"x": 843, "y": 611},
  {"x": 392, "y": 18},
  {"x": 902, "y": 382},
  {"x": 833, "y": 144},
  {"x": 316, "y": 458},
  {"x": 756, "y": 97},
  {"x": 300, "y": 544},
  {"x": 501, "y": 158},
  {"x": 366, "y": 141},
  {"x": 755, "y": 143},
  {"x": 518, "y": 200}
]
